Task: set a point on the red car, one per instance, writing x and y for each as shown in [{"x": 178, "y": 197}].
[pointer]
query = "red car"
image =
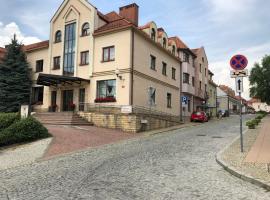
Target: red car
[{"x": 199, "y": 116}]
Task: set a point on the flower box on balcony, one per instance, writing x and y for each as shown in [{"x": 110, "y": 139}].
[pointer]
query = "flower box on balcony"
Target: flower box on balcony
[{"x": 105, "y": 100}]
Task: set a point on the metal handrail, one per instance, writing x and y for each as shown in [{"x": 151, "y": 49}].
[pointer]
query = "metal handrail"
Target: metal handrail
[{"x": 116, "y": 109}]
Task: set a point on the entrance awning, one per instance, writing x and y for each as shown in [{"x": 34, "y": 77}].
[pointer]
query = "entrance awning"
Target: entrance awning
[{"x": 54, "y": 80}]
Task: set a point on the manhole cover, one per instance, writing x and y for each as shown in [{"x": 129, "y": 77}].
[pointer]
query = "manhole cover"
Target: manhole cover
[
  {"x": 201, "y": 135},
  {"x": 218, "y": 137}
]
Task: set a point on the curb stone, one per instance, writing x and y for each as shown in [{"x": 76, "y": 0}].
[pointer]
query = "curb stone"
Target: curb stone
[{"x": 238, "y": 173}]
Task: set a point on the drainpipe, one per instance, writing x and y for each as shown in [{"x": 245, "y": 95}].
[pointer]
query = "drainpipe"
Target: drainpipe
[
  {"x": 181, "y": 90},
  {"x": 228, "y": 106},
  {"x": 132, "y": 68}
]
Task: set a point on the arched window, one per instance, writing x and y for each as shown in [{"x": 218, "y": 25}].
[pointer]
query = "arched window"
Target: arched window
[
  {"x": 58, "y": 36},
  {"x": 153, "y": 34},
  {"x": 173, "y": 50},
  {"x": 164, "y": 43},
  {"x": 85, "y": 29}
]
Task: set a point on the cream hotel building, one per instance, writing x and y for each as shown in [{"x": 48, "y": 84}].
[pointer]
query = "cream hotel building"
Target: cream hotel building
[{"x": 108, "y": 59}]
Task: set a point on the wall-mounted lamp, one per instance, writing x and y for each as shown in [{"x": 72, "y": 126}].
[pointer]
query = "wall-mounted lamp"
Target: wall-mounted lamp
[{"x": 117, "y": 73}]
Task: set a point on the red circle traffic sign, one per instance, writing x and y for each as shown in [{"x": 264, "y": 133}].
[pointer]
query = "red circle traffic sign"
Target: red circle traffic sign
[{"x": 239, "y": 62}]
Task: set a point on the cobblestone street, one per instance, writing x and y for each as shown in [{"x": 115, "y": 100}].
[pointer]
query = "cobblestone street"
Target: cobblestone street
[{"x": 176, "y": 165}]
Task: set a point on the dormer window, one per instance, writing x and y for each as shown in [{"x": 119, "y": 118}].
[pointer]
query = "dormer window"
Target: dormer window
[
  {"x": 173, "y": 50},
  {"x": 153, "y": 34},
  {"x": 164, "y": 44},
  {"x": 85, "y": 29},
  {"x": 58, "y": 36}
]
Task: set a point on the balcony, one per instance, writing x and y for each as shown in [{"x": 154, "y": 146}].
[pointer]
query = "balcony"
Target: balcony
[
  {"x": 187, "y": 68},
  {"x": 187, "y": 88}
]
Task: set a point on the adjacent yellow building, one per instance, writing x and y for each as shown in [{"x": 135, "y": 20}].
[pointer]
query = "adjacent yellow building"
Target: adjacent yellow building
[{"x": 109, "y": 61}]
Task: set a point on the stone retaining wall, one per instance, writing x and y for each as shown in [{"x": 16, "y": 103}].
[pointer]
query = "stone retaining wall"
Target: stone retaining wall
[{"x": 127, "y": 122}]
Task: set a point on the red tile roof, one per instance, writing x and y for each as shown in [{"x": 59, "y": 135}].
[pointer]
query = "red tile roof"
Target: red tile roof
[
  {"x": 229, "y": 91},
  {"x": 146, "y": 26},
  {"x": 35, "y": 46},
  {"x": 160, "y": 32},
  {"x": 2, "y": 53},
  {"x": 102, "y": 16},
  {"x": 114, "y": 25},
  {"x": 112, "y": 16},
  {"x": 179, "y": 43}
]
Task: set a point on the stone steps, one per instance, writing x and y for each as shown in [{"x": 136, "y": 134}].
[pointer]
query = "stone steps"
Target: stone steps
[{"x": 69, "y": 118}]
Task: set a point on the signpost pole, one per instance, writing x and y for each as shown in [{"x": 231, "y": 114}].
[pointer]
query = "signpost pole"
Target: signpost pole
[
  {"x": 239, "y": 63},
  {"x": 241, "y": 124}
]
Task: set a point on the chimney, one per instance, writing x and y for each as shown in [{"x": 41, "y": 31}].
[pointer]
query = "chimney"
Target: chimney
[{"x": 131, "y": 13}]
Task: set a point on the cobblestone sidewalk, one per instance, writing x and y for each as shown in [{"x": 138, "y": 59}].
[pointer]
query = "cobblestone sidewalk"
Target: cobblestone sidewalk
[
  {"x": 23, "y": 154},
  {"x": 234, "y": 161}
]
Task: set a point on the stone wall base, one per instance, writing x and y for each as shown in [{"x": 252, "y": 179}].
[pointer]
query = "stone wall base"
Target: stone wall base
[{"x": 132, "y": 123}]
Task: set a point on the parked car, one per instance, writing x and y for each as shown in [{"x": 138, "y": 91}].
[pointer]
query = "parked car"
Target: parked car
[{"x": 199, "y": 117}]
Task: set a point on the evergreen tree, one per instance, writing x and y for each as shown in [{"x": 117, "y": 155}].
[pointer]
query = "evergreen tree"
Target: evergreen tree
[
  {"x": 260, "y": 80},
  {"x": 15, "y": 78}
]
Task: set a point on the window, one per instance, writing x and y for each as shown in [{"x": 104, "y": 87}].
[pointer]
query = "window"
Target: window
[
  {"x": 173, "y": 73},
  {"x": 189, "y": 105},
  {"x": 81, "y": 99},
  {"x": 186, "y": 78},
  {"x": 106, "y": 89},
  {"x": 164, "y": 68},
  {"x": 152, "y": 96},
  {"x": 205, "y": 71},
  {"x": 200, "y": 85},
  {"x": 173, "y": 50},
  {"x": 164, "y": 44},
  {"x": 193, "y": 81},
  {"x": 69, "y": 49},
  {"x": 210, "y": 93},
  {"x": 85, "y": 29},
  {"x": 56, "y": 62},
  {"x": 37, "y": 95},
  {"x": 58, "y": 36},
  {"x": 85, "y": 58},
  {"x": 169, "y": 100},
  {"x": 186, "y": 57},
  {"x": 108, "y": 54},
  {"x": 39, "y": 66},
  {"x": 201, "y": 68},
  {"x": 153, "y": 62},
  {"x": 203, "y": 59},
  {"x": 153, "y": 34}
]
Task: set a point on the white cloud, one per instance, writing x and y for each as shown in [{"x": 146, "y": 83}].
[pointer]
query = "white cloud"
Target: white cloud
[
  {"x": 223, "y": 10},
  {"x": 221, "y": 69},
  {"x": 7, "y": 31}
]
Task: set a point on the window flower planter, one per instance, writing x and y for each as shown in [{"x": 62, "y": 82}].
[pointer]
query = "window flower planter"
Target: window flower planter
[
  {"x": 72, "y": 106},
  {"x": 105, "y": 100}
]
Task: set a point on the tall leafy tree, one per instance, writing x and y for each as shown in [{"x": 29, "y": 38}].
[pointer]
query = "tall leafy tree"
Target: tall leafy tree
[
  {"x": 15, "y": 78},
  {"x": 260, "y": 80}
]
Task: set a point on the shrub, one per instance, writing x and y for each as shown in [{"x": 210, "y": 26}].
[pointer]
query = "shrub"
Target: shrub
[
  {"x": 259, "y": 116},
  {"x": 25, "y": 130},
  {"x": 251, "y": 124},
  {"x": 7, "y": 119},
  {"x": 263, "y": 113},
  {"x": 256, "y": 121}
]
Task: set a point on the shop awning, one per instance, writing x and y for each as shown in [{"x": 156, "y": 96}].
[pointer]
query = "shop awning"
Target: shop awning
[{"x": 54, "y": 80}]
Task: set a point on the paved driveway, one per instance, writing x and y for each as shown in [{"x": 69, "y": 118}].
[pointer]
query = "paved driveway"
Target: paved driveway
[
  {"x": 178, "y": 165},
  {"x": 67, "y": 139}
]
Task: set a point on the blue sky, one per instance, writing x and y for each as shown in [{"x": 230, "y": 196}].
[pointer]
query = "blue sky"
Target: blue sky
[{"x": 223, "y": 27}]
